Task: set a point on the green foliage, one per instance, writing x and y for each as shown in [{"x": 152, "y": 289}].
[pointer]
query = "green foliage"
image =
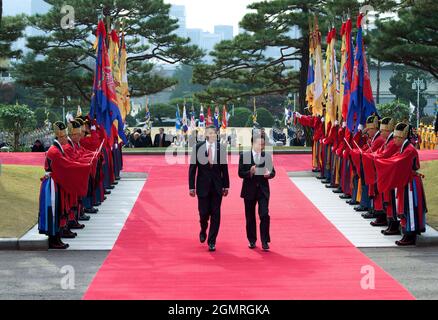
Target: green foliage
[
  {"x": 16, "y": 119},
  {"x": 41, "y": 114},
  {"x": 185, "y": 87},
  {"x": 240, "y": 117},
  {"x": 243, "y": 60},
  {"x": 401, "y": 86},
  {"x": 11, "y": 29},
  {"x": 396, "y": 110},
  {"x": 264, "y": 118},
  {"x": 67, "y": 67},
  {"x": 410, "y": 40},
  {"x": 131, "y": 120}
]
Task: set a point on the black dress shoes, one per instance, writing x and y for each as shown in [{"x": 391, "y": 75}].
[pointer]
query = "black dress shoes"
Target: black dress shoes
[
  {"x": 360, "y": 208},
  {"x": 110, "y": 187},
  {"x": 91, "y": 210},
  {"x": 202, "y": 237},
  {"x": 84, "y": 217},
  {"x": 252, "y": 245},
  {"x": 344, "y": 196},
  {"x": 211, "y": 247},
  {"x": 107, "y": 192},
  {"x": 265, "y": 246},
  {"x": 337, "y": 191}
]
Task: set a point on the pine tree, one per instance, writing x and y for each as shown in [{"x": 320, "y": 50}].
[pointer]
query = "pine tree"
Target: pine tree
[
  {"x": 412, "y": 39},
  {"x": 62, "y": 59},
  {"x": 243, "y": 60}
]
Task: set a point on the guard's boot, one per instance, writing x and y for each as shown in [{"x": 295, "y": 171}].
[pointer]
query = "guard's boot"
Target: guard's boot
[
  {"x": 76, "y": 225},
  {"x": 407, "y": 240},
  {"x": 393, "y": 228},
  {"x": 380, "y": 221},
  {"x": 360, "y": 208},
  {"x": 56, "y": 243},
  {"x": 67, "y": 234}
]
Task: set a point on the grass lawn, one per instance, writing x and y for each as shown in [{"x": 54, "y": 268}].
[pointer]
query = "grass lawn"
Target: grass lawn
[
  {"x": 19, "y": 191},
  {"x": 430, "y": 170}
]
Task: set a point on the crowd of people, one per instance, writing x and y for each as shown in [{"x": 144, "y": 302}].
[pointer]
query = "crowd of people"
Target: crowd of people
[
  {"x": 82, "y": 166},
  {"x": 374, "y": 169}
]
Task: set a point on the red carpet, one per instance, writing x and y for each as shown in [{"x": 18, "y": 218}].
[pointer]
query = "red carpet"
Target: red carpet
[{"x": 158, "y": 254}]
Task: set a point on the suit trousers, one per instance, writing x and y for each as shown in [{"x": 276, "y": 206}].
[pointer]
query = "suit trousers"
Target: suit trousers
[
  {"x": 210, "y": 209},
  {"x": 263, "y": 210}
]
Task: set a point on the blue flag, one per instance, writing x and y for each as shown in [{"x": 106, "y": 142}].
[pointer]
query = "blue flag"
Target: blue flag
[
  {"x": 361, "y": 104},
  {"x": 104, "y": 102}
]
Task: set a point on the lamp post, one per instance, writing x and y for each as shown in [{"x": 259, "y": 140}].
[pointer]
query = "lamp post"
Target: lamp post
[{"x": 418, "y": 84}]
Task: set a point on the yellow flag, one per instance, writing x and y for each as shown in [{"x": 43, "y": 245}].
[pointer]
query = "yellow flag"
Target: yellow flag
[{"x": 319, "y": 73}]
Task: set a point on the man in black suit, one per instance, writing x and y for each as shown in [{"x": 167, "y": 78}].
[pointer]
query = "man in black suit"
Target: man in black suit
[
  {"x": 160, "y": 139},
  {"x": 256, "y": 168},
  {"x": 208, "y": 166}
]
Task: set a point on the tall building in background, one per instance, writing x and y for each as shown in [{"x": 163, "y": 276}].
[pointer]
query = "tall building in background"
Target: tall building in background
[
  {"x": 179, "y": 12},
  {"x": 226, "y": 32},
  {"x": 195, "y": 36}
]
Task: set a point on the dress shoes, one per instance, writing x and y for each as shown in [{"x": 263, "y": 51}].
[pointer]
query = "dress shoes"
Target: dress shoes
[{"x": 252, "y": 245}]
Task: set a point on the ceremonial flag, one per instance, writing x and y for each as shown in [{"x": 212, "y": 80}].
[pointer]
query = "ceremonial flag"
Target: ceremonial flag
[
  {"x": 254, "y": 113},
  {"x": 224, "y": 117},
  {"x": 216, "y": 120},
  {"x": 310, "y": 73},
  {"x": 148, "y": 115},
  {"x": 192, "y": 119},
  {"x": 104, "y": 101},
  {"x": 209, "y": 119},
  {"x": 124, "y": 100},
  {"x": 178, "y": 119},
  {"x": 331, "y": 83},
  {"x": 318, "y": 99},
  {"x": 361, "y": 104},
  {"x": 201, "y": 122},
  {"x": 185, "y": 126},
  {"x": 347, "y": 70}
]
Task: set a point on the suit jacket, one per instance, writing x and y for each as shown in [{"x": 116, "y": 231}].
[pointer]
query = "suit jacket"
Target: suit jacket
[
  {"x": 206, "y": 175},
  {"x": 251, "y": 183},
  {"x": 157, "y": 140}
]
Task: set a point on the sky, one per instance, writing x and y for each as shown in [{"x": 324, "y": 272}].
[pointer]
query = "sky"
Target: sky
[{"x": 205, "y": 14}]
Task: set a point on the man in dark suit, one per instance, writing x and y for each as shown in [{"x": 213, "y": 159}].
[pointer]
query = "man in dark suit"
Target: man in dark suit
[
  {"x": 209, "y": 168},
  {"x": 160, "y": 139},
  {"x": 256, "y": 168}
]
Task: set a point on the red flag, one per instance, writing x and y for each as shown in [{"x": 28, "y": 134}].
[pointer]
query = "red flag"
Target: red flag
[{"x": 224, "y": 117}]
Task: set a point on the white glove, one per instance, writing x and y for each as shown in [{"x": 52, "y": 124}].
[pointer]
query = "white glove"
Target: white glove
[
  {"x": 298, "y": 115},
  {"x": 336, "y": 122},
  {"x": 360, "y": 127},
  {"x": 322, "y": 119},
  {"x": 344, "y": 124},
  {"x": 93, "y": 128}
]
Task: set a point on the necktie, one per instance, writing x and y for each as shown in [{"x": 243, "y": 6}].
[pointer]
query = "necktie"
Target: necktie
[
  {"x": 257, "y": 159},
  {"x": 210, "y": 155}
]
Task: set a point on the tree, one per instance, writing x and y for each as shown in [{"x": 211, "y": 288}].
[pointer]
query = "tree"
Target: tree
[
  {"x": 42, "y": 114},
  {"x": 240, "y": 117},
  {"x": 16, "y": 119},
  {"x": 130, "y": 120},
  {"x": 185, "y": 86},
  {"x": 67, "y": 66},
  {"x": 264, "y": 118},
  {"x": 410, "y": 40},
  {"x": 395, "y": 109},
  {"x": 243, "y": 60},
  {"x": 11, "y": 29},
  {"x": 401, "y": 87}
]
